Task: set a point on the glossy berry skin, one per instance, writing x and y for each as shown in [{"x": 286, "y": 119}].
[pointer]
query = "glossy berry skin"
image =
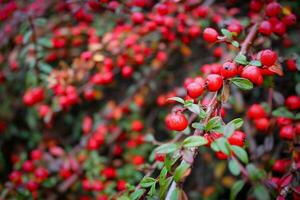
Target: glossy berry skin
[
  {"x": 289, "y": 20},
  {"x": 229, "y": 69},
  {"x": 137, "y": 125},
  {"x": 293, "y": 102},
  {"x": 195, "y": 89},
  {"x": 287, "y": 132},
  {"x": 279, "y": 29},
  {"x": 253, "y": 74},
  {"x": 176, "y": 121},
  {"x": 262, "y": 124},
  {"x": 297, "y": 128},
  {"x": 214, "y": 82},
  {"x": 273, "y": 9},
  {"x": 221, "y": 156},
  {"x": 291, "y": 65},
  {"x": 256, "y": 111},
  {"x": 210, "y": 35},
  {"x": 283, "y": 121},
  {"x": 137, "y": 18},
  {"x": 268, "y": 57},
  {"x": 281, "y": 165},
  {"x": 237, "y": 138},
  {"x": 265, "y": 28}
]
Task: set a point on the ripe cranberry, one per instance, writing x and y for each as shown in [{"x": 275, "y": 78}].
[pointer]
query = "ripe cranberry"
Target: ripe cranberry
[
  {"x": 86, "y": 185},
  {"x": 273, "y": 9},
  {"x": 162, "y": 9},
  {"x": 127, "y": 71},
  {"x": 139, "y": 3},
  {"x": 15, "y": 177},
  {"x": 210, "y": 35},
  {"x": 32, "y": 186},
  {"x": 229, "y": 69},
  {"x": 87, "y": 124},
  {"x": 137, "y": 17},
  {"x": 287, "y": 132},
  {"x": 253, "y": 74},
  {"x": 65, "y": 173},
  {"x": 283, "y": 121},
  {"x": 281, "y": 165},
  {"x": 195, "y": 89},
  {"x": 176, "y": 121},
  {"x": 291, "y": 65},
  {"x": 160, "y": 157},
  {"x": 262, "y": 124},
  {"x": 138, "y": 160},
  {"x": 109, "y": 173},
  {"x": 237, "y": 138},
  {"x": 214, "y": 82},
  {"x": 28, "y": 166},
  {"x": 202, "y": 11},
  {"x": 121, "y": 185},
  {"x": 41, "y": 173},
  {"x": 36, "y": 154},
  {"x": 256, "y": 111},
  {"x": 194, "y": 31},
  {"x": 256, "y": 5},
  {"x": 268, "y": 57},
  {"x": 279, "y": 29},
  {"x": 289, "y": 20},
  {"x": 137, "y": 126},
  {"x": 293, "y": 102},
  {"x": 220, "y": 155},
  {"x": 265, "y": 28},
  {"x": 218, "y": 52}
]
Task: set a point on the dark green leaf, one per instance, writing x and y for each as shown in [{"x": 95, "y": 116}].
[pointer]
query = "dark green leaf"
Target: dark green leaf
[
  {"x": 223, "y": 145},
  {"x": 261, "y": 192},
  {"x": 178, "y": 99},
  {"x": 194, "y": 141},
  {"x": 181, "y": 171},
  {"x": 213, "y": 123},
  {"x": 234, "y": 167},
  {"x": 254, "y": 172},
  {"x": 167, "y": 148},
  {"x": 242, "y": 83},
  {"x": 147, "y": 182},
  {"x": 240, "y": 153},
  {"x": 236, "y": 188},
  {"x": 282, "y": 112},
  {"x": 137, "y": 194},
  {"x": 238, "y": 122}
]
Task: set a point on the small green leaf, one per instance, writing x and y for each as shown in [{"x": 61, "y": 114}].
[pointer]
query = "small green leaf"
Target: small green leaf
[
  {"x": 241, "y": 59},
  {"x": 242, "y": 83},
  {"x": 162, "y": 176},
  {"x": 240, "y": 153},
  {"x": 234, "y": 167},
  {"x": 261, "y": 192},
  {"x": 235, "y": 44},
  {"x": 213, "y": 123},
  {"x": 180, "y": 171},
  {"x": 238, "y": 122},
  {"x": 236, "y": 188},
  {"x": 194, "y": 141},
  {"x": 194, "y": 108},
  {"x": 178, "y": 99},
  {"x": 198, "y": 125},
  {"x": 254, "y": 172},
  {"x": 282, "y": 112},
  {"x": 226, "y": 33},
  {"x": 137, "y": 194},
  {"x": 223, "y": 145},
  {"x": 175, "y": 194},
  {"x": 147, "y": 182},
  {"x": 27, "y": 36},
  {"x": 255, "y": 63},
  {"x": 152, "y": 189},
  {"x": 229, "y": 129},
  {"x": 167, "y": 148}
]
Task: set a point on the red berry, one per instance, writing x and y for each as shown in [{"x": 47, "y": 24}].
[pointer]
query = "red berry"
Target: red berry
[
  {"x": 297, "y": 128},
  {"x": 137, "y": 126},
  {"x": 41, "y": 173},
  {"x": 15, "y": 177},
  {"x": 235, "y": 28},
  {"x": 287, "y": 132},
  {"x": 279, "y": 29},
  {"x": 273, "y": 9},
  {"x": 127, "y": 71},
  {"x": 281, "y": 165},
  {"x": 293, "y": 102},
  {"x": 291, "y": 65},
  {"x": 220, "y": 155},
  {"x": 97, "y": 185},
  {"x": 268, "y": 57},
  {"x": 256, "y": 111},
  {"x": 137, "y": 17},
  {"x": 237, "y": 138},
  {"x": 162, "y": 9},
  {"x": 121, "y": 185},
  {"x": 253, "y": 74},
  {"x": 160, "y": 157},
  {"x": 283, "y": 121},
  {"x": 109, "y": 173},
  {"x": 262, "y": 124},
  {"x": 138, "y": 160},
  {"x": 210, "y": 35},
  {"x": 176, "y": 121},
  {"x": 195, "y": 89},
  {"x": 256, "y": 5},
  {"x": 214, "y": 82},
  {"x": 265, "y": 28},
  {"x": 229, "y": 69},
  {"x": 289, "y": 20},
  {"x": 194, "y": 31},
  {"x": 28, "y": 166}
]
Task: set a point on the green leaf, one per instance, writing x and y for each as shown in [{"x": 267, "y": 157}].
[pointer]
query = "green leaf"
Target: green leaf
[
  {"x": 44, "y": 42},
  {"x": 255, "y": 63},
  {"x": 226, "y": 33},
  {"x": 164, "y": 187},
  {"x": 175, "y": 194},
  {"x": 297, "y": 117},
  {"x": 242, "y": 83},
  {"x": 167, "y": 148},
  {"x": 152, "y": 190},
  {"x": 261, "y": 192},
  {"x": 254, "y": 172},
  {"x": 282, "y": 112},
  {"x": 194, "y": 108},
  {"x": 180, "y": 171},
  {"x": 234, "y": 167},
  {"x": 213, "y": 123},
  {"x": 194, "y": 141},
  {"x": 240, "y": 153},
  {"x": 198, "y": 125},
  {"x": 238, "y": 122},
  {"x": 147, "y": 182},
  {"x": 27, "y": 36},
  {"x": 44, "y": 67},
  {"x": 235, "y": 44},
  {"x": 229, "y": 129},
  {"x": 162, "y": 176},
  {"x": 178, "y": 99},
  {"x": 241, "y": 59},
  {"x": 137, "y": 194},
  {"x": 236, "y": 188},
  {"x": 223, "y": 145}
]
